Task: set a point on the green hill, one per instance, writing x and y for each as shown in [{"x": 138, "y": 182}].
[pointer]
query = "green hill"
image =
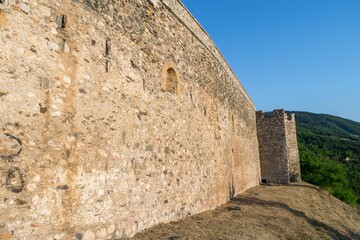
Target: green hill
[{"x": 330, "y": 154}]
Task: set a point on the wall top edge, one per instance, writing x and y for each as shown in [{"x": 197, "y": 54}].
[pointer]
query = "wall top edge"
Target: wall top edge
[
  {"x": 177, "y": 6},
  {"x": 276, "y": 113}
]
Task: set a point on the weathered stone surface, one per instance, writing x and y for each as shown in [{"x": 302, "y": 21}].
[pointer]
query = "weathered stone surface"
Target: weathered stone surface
[
  {"x": 24, "y": 7},
  {"x": 88, "y": 235},
  {"x": 292, "y": 149},
  {"x": 101, "y": 233},
  {"x": 99, "y": 141}
]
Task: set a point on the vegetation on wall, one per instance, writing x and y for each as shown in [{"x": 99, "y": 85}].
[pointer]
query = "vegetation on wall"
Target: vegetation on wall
[{"x": 330, "y": 154}]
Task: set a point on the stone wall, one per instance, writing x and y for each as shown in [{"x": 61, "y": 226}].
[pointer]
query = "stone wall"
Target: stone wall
[
  {"x": 293, "y": 149},
  {"x": 93, "y": 141},
  {"x": 278, "y": 148}
]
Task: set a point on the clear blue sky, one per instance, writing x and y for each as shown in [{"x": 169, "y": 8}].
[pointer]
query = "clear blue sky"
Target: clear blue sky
[{"x": 301, "y": 55}]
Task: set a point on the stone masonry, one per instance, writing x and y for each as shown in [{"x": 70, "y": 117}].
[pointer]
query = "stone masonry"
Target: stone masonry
[
  {"x": 292, "y": 149},
  {"x": 279, "y": 154},
  {"x": 115, "y": 116}
]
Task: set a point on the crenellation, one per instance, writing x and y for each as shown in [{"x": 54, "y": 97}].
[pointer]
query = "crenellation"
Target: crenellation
[{"x": 290, "y": 117}]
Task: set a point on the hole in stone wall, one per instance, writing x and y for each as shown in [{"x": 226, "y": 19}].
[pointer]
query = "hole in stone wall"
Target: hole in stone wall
[
  {"x": 205, "y": 111},
  {"x": 154, "y": 2},
  {"x": 107, "y": 66},
  {"x": 294, "y": 177},
  {"x": 63, "y": 44},
  {"x": 264, "y": 181},
  {"x": 107, "y": 47},
  {"x": 171, "y": 81},
  {"x": 232, "y": 121},
  {"x": 62, "y": 21}
]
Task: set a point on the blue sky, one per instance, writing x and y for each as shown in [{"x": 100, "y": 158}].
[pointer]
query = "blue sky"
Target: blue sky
[{"x": 301, "y": 55}]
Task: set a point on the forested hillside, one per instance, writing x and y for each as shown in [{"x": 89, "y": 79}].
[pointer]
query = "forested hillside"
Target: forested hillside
[{"x": 330, "y": 154}]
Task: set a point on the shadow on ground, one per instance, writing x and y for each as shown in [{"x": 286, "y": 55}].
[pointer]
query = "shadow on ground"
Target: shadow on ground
[
  {"x": 296, "y": 211},
  {"x": 251, "y": 201}
]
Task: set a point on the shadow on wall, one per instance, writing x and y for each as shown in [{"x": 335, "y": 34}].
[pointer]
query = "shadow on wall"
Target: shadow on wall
[
  {"x": 232, "y": 190},
  {"x": 294, "y": 176},
  {"x": 251, "y": 201},
  {"x": 305, "y": 186}
]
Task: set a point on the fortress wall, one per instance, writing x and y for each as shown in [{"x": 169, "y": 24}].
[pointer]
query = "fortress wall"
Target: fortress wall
[
  {"x": 273, "y": 149},
  {"x": 191, "y": 23},
  {"x": 293, "y": 149},
  {"x": 93, "y": 143}
]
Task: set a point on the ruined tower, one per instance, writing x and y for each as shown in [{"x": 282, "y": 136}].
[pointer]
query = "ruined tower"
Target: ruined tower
[{"x": 279, "y": 154}]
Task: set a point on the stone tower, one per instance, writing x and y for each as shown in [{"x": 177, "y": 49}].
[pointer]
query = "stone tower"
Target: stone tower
[{"x": 279, "y": 154}]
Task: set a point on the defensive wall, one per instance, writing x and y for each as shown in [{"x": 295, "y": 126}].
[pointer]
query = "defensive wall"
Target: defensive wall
[
  {"x": 115, "y": 116},
  {"x": 278, "y": 148}
]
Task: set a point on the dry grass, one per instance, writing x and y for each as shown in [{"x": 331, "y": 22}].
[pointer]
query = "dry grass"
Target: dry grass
[{"x": 296, "y": 211}]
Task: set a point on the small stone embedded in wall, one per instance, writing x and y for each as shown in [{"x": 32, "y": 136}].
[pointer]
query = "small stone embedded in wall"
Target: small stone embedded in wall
[
  {"x": 154, "y": 1},
  {"x": 60, "y": 236},
  {"x": 56, "y": 114},
  {"x": 101, "y": 233},
  {"x": 24, "y": 7},
  {"x": 79, "y": 236},
  {"x": 53, "y": 31},
  {"x": 88, "y": 235},
  {"x": 111, "y": 229},
  {"x": 44, "y": 82},
  {"x": 53, "y": 46},
  {"x": 67, "y": 80}
]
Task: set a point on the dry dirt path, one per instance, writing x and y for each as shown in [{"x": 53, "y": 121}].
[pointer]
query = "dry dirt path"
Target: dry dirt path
[{"x": 297, "y": 211}]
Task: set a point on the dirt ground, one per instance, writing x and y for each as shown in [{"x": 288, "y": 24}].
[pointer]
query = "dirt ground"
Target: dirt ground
[{"x": 296, "y": 211}]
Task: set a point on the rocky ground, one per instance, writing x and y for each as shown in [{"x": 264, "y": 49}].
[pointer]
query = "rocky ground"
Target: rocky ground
[{"x": 296, "y": 211}]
